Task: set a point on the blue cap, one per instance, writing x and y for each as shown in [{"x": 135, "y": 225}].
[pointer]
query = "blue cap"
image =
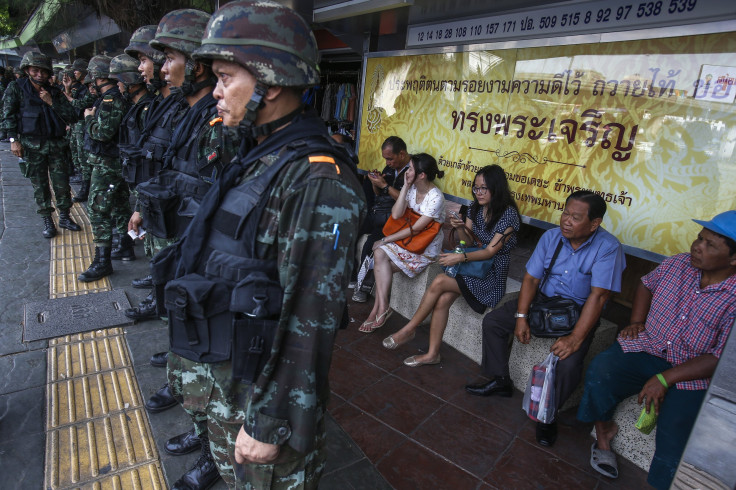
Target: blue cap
[{"x": 723, "y": 224}]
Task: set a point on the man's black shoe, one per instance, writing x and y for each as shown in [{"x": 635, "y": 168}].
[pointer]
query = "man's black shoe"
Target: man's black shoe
[
  {"x": 202, "y": 475},
  {"x": 183, "y": 443},
  {"x": 546, "y": 434},
  {"x": 161, "y": 400},
  {"x": 159, "y": 359},
  {"x": 142, "y": 283},
  {"x": 500, "y": 385}
]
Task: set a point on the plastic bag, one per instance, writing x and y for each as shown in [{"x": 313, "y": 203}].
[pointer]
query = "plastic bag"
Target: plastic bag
[
  {"x": 647, "y": 420},
  {"x": 366, "y": 270},
  {"x": 539, "y": 397}
]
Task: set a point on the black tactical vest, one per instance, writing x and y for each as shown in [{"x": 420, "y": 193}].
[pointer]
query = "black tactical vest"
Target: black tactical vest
[
  {"x": 36, "y": 118},
  {"x": 228, "y": 307},
  {"x": 155, "y": 139},
  {"x": 104, "y": 148},
  {"x": 130, "y": 134}
]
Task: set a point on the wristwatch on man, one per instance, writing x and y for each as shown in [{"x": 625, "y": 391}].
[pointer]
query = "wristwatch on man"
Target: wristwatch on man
[
  {"x": 11, "y": 139},
  {"x": 520, "y": 315},
  {"x": 385, "y": 189}
]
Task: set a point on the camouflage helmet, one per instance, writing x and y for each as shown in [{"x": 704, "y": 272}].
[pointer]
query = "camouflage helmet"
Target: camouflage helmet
[
  {"x": 139, "y": 44},
  {"x": 181, "y": 30},
  {"x": 19, "y": 71},
  {"x": 124, "y": 68},
  {"x": 38, "y": 60},
  {"x": 88, "y": 79},
  {"x": 80, "y": 64},
  {"x": 99, "y": 67},
  {"x": 68, "y": 70},
  {"x": 272, "y": 41}
]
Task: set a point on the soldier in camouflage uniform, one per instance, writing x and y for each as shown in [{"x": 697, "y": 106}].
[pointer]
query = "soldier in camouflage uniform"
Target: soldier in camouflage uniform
[
  {"x": 164, "y": 113},
  {"x": 124, "y": 68},
  {"x": 109, "y": 206},
  {"x": 274, "y": 238},
  {"x": 81, "y": 98},
  {"x": 192, "y": 163},
  {"x": 35, "y": 116}
]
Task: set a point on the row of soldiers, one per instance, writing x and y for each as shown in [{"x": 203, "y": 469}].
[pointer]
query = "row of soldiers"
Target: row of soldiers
[{"x": 250, "y": 209}]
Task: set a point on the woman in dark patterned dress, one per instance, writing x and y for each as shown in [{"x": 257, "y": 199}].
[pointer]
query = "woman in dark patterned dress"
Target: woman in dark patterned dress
[{"x": 493, "y": 218}]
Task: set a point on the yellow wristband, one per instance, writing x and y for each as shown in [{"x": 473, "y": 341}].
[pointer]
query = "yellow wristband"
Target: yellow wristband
[{"x": 662, "y": 380}]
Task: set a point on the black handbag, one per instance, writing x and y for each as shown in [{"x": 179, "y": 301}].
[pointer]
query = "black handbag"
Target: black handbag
[{"x": 552, "y": 316}]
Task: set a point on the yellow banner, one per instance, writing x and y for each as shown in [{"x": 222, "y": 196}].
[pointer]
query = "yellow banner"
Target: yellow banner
[{"x": 649, "y": 125}]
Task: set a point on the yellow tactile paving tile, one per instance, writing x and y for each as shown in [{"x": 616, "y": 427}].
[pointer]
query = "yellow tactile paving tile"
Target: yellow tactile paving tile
[
  {"x": 79, "y": 337},
  {"x": 90, "y": 397},
  {"x": 88, "y": 357},
  {"x": 97, "y": 432},
  {"x": 99, "y": 448}
]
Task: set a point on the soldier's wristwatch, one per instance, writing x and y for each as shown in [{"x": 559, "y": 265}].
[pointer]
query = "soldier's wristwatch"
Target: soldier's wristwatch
[
  {"x": 12, "y": 140},
  {"x": 520, "y": 315}
]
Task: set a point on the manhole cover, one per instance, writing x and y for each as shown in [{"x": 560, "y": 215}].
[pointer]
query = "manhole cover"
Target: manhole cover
[{"x": 74, "y": 314}]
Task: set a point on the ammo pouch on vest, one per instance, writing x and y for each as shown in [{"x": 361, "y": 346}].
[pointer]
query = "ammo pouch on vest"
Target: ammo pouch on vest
[
  {"x": 200, "y": 322},
  {"x": 191, "y": 191},
  {"x": 158, "y": 205},
  {"x": 256, "y": 305},
  {"x": 163, "y": 270},
  {"x": 132, "y": 162}
]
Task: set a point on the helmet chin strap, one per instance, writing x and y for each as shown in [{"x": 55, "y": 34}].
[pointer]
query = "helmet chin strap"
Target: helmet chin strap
[
  {"x": 188, "y": 88},
  {"x": 156, "y": 83},
  {"x": 99, "y": 87},
  {"x": 245, "y": 127},
  {"x": 249, "y": 132},
  {"x": 129, "y": 96}
]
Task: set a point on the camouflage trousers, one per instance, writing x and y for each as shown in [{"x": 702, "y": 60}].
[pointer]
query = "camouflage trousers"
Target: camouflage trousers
[
  {"x": 45, "y": 161},
  {"x": 210, "y": 390},
  {"x": 108, "y": 205},
  {"x": 79, "y": 156}
]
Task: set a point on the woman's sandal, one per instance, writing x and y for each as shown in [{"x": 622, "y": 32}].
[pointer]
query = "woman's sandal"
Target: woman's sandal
[
  {"x": 382, "y": 318},
  {"x": 366, "y": 327},
  {"x": 369, "y": 327}
]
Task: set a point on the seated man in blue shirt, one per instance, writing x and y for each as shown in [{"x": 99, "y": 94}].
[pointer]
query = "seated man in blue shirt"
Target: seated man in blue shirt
[{"x": 587, "y": 270}]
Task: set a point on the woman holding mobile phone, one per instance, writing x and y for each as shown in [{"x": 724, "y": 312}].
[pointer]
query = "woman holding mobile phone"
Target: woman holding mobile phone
[
  {"x": 493, "y": 219},
  {"x": 421, "y": 195}
]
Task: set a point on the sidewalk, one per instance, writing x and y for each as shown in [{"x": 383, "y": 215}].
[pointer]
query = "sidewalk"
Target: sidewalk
[{"x": 390, "y": 426}]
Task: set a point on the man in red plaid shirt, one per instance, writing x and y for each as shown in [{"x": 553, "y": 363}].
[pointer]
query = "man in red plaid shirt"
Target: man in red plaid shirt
[{"x": 682, "y": 314}]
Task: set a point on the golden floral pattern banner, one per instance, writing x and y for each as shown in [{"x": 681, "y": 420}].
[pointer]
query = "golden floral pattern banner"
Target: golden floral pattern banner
[{"x": 642, "y": 123}]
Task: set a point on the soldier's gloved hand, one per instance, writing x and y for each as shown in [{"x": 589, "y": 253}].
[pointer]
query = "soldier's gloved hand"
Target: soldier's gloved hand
[
  {"x": 16, "y": 148},
  {"x": 248, "y": 450}
]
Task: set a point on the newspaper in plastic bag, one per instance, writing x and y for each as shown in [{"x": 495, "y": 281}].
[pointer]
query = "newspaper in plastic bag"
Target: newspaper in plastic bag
[
  {"x": 365, "y": 267},
  {"x": 539, "y": 396}
]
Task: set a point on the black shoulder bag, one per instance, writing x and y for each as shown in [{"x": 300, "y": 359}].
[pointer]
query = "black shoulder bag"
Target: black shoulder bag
[{"x": 552, "y": 316}]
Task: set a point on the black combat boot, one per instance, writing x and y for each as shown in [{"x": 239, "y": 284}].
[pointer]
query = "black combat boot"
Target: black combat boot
[
  {"x": 125, "y": 250},
  {"x": 101, "y": 266},
  {"x": 83, "y": 193},
  {"x": 204, "y": 472},
  {"x": 65, "y": 221},
  {"x": 49, "y": 230}
]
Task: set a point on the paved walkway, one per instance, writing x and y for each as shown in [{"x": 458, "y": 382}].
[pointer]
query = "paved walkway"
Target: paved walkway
[{"x": 389, "y": 425}]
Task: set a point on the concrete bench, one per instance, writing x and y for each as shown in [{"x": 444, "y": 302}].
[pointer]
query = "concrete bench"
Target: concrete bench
[
  {"x": 464, "y": 325},
  {"x": 464, "y": 333}
]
